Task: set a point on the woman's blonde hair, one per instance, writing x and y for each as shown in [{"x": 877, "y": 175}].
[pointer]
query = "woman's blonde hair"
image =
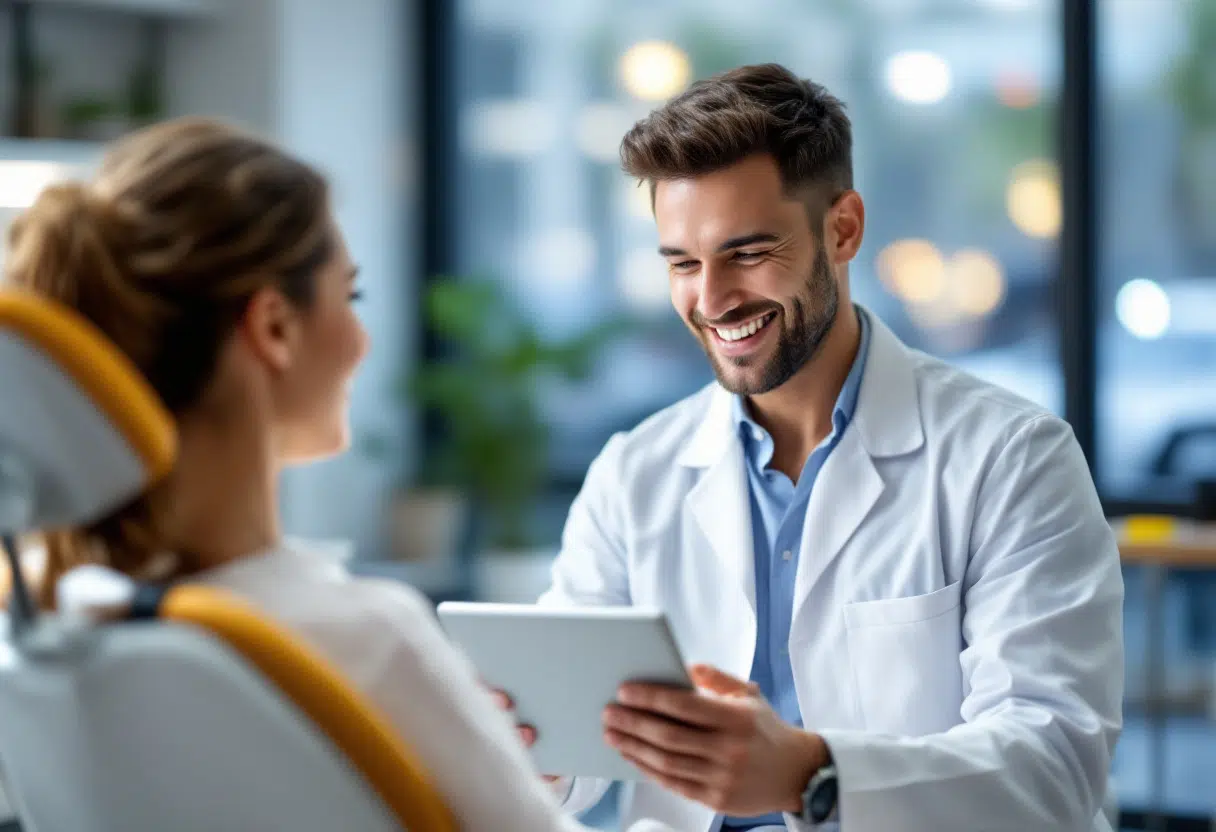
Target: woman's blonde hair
[{"x": 184, "y": 222}]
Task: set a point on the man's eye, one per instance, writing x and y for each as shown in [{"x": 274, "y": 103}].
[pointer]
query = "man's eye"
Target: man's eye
[
  {"x": 748, "y": 256},
  {"x": 684, "y": 265}
]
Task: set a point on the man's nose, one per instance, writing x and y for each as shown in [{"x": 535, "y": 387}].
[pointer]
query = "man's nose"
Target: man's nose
[{"x": 719, "y": 293}]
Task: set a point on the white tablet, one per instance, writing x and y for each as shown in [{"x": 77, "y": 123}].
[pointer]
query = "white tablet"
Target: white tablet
[{"x": 562, "y": 666}]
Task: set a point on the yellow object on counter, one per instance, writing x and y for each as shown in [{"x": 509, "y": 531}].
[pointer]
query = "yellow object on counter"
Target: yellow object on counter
[{"x": 1149, "y": 528}]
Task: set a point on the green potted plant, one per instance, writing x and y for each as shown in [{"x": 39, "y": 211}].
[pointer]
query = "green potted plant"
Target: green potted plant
[
  {"x": 489, "y": 462},
  {"x": 145, "y": 94},
  {"x": 93, "y": 117},
  {"x": 1192, "y": 83}
]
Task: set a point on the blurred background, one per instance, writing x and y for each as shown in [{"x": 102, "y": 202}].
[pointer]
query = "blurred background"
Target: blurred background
[{"x": 1040, "y": 181}]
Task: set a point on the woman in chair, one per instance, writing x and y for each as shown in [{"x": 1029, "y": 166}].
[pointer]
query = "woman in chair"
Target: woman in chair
[{"x": 212, "y": 260}]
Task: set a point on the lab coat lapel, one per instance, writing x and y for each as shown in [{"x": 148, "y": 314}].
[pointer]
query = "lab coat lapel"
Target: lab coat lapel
[
  {"x": 887, "y": 423},
  {"x": 719, "y": 499},
  {"x": 846, "y": 490}
]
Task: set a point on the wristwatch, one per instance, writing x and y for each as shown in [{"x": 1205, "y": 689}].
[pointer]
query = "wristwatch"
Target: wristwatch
[{"x": 819, "y": 797}]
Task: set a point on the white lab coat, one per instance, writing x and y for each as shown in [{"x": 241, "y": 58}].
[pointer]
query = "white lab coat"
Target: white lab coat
[{"x": 957, "y": 630}]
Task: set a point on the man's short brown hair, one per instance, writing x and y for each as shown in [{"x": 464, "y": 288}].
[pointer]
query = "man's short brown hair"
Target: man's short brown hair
[{"x": 762, "y": 109}]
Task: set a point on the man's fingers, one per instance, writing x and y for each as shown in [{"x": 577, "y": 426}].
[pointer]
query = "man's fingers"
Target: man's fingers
[
  {"x": 712, "y": 679},
  {"x": 688, "y": 788},
  {"x": 502, "y": 700},
  {"x": 683, "y": 705},
  {"x": 693, "y": 770},
  {"x": 660, "y": 732}
]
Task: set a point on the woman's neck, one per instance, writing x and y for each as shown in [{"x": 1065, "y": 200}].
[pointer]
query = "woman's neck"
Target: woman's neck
[{"x": 223, "y": 495}]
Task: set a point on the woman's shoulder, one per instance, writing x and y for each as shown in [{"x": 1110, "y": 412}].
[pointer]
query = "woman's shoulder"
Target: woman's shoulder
[
  {"x": 395, "y": 599},
  {"x": 381, "y": 591},
  {"x": 307, "y": 587}
]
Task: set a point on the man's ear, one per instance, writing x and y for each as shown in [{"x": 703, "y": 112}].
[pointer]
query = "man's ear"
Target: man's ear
[
  {"x": 844, "y": 226},
  {"x": 271, "y": 328}
]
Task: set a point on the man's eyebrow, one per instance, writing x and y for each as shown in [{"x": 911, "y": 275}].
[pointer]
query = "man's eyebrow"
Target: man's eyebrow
[
  {"x": 732, "y": 243},
  {"x": 748, "y": 239}
]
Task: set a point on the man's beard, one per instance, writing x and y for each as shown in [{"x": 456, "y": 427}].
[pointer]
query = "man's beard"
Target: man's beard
[{"x": 800, "y": 337}]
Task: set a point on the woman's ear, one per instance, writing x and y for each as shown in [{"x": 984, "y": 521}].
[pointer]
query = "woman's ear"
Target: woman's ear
[{"x": 271, "y": 327}]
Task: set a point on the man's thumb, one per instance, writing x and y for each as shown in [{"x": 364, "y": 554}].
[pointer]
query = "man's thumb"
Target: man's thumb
[{"x": 715, "y": 681}]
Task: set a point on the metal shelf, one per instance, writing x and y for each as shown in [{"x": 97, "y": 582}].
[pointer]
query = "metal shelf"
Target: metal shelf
[
  {"x": 55, "y": 151},
  {"x": 169, "y": 9}
]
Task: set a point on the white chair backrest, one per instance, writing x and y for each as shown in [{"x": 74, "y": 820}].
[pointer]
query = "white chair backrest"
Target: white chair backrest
[{"x": 158, "y": 728}]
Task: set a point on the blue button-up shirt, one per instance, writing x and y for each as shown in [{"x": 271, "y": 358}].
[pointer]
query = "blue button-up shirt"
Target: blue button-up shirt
[{"x": 778, "y": 508}]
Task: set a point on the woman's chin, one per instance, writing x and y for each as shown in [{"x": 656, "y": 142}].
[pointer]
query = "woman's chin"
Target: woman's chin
[{"x": 321, "y": 449}]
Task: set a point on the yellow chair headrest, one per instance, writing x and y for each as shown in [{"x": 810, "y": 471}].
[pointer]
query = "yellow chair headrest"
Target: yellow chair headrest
[{"x": 76, "y": 416}]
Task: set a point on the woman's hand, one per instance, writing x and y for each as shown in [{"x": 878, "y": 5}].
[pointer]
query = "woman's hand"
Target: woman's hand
[{"x": 527, "y": 733}]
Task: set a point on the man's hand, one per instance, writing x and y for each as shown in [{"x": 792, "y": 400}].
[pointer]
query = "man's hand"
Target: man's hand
[
  {"x": 721, "y": 745},
  {"x": 526, "y": 732}
]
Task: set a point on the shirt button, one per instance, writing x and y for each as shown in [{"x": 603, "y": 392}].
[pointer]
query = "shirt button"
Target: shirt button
[
  {"x": 787, "y": 555},
  {"x": 759, "y": 434}
]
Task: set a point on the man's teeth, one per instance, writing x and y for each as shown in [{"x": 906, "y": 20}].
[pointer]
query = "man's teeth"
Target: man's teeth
[{"x": 745, "y": 331}]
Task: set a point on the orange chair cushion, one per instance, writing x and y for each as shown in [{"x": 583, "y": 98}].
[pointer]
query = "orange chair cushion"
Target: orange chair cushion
[{"x": 98, "y": 368}]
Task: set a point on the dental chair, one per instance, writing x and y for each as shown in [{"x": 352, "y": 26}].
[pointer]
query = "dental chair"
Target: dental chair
[{"x": 192, "y": 712}]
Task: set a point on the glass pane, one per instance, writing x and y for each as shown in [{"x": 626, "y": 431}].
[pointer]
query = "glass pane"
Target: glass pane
[
  {"x": 952, "y": 104},
  {"x": 1156, "y": 327},
  {"x": 1157, "y": 283}
]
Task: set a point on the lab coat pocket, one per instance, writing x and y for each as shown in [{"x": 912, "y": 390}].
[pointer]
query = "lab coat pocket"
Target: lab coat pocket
[{"x": 905, "y": 657}]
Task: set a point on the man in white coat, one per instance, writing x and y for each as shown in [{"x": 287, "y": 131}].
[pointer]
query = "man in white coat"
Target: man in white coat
[{"x": 896, "y": 580}]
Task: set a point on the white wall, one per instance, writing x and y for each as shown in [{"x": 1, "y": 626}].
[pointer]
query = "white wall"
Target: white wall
[
  {"x": 228, "y": 66},
  {"x": 344, "y": 77}
]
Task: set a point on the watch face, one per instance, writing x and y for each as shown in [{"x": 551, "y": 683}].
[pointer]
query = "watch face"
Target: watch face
[{"x": 823, "y": 801}]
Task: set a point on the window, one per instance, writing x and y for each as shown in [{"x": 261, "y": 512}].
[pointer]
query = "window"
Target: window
[
  {"x": 1156, "y": 323},
  {"x": 1156, "y": 343},
  {"x": 953, "y": 111}
]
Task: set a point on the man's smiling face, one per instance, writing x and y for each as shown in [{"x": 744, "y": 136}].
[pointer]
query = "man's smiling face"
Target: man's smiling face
[{"x": 749, "y": 275}]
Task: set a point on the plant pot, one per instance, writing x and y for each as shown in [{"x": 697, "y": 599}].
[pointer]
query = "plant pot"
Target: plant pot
[
  {"x": 429, "y": 525},
  {"x": 513, "y": 576}
]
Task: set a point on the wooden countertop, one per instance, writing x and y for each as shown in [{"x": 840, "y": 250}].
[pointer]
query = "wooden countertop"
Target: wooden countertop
[{"x": 1180, "y": 544}]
